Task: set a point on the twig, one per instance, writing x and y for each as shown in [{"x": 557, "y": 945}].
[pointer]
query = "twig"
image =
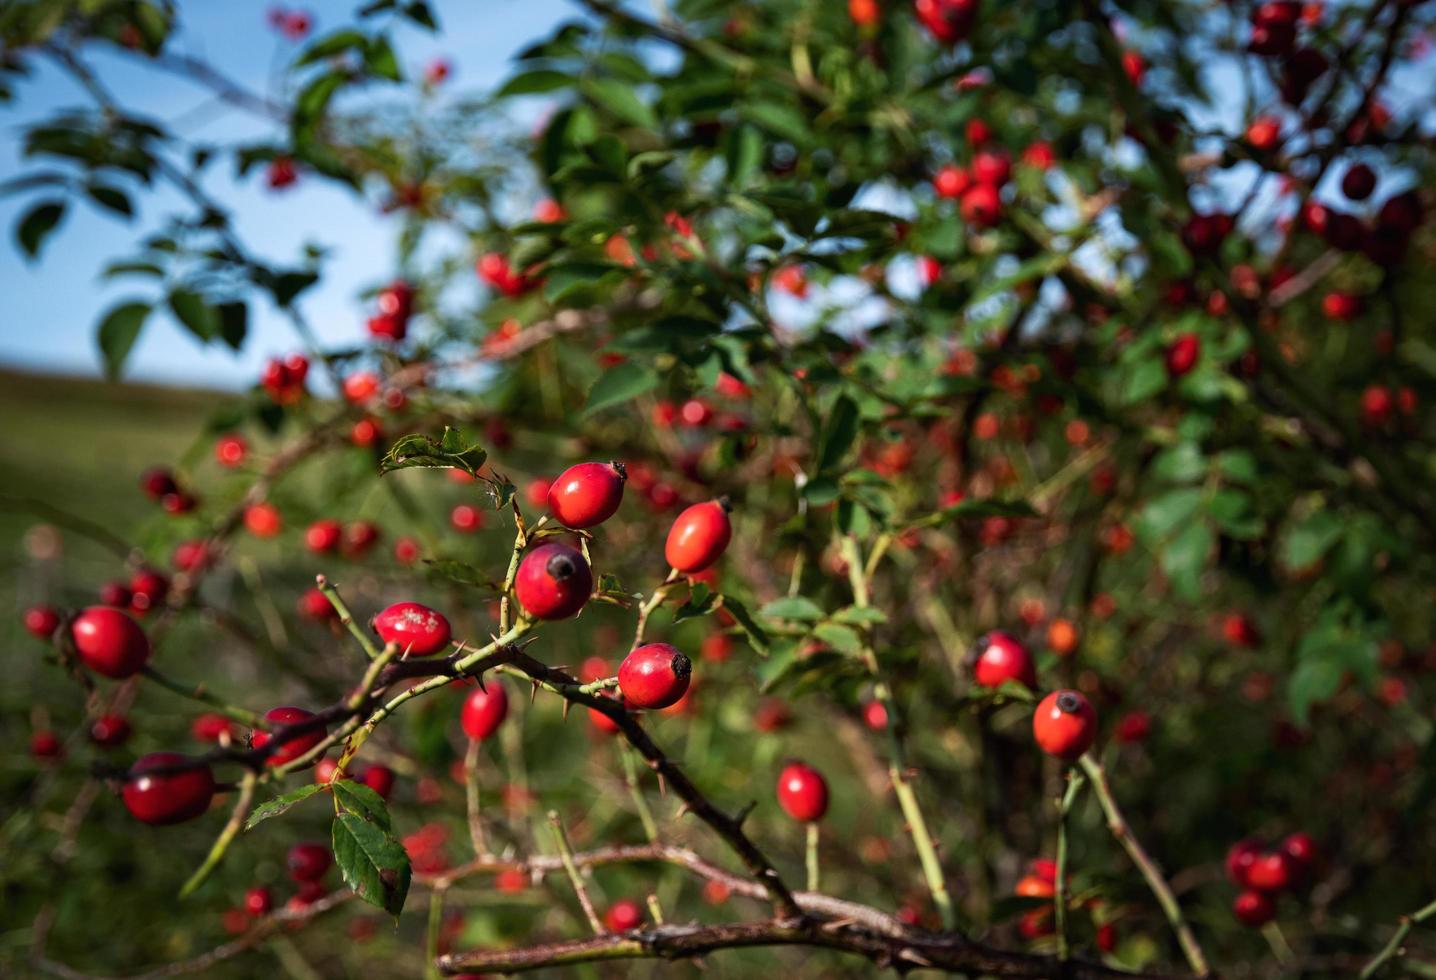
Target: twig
[
  {"x": 640, "y": 803},
  {"x": 1163, "y": 892},
  {"x": 332, "y": 594},
  {"x": 198, "y": 693},
  {"x": 226, "y": 837},
  {"x": 565, "y": 854},
  {"x": 1393, "y": 949},
  {"x": 471, "y": 797},
  {"x": 1059, "y": 898}
]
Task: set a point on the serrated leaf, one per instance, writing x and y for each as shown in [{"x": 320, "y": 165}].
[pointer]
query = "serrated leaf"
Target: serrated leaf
[
  {"x": 793, "y": 607},
  {"x": 280, "y": 804},
  {"x": 360, "y": 799},
  {"x": 37, "y": 224},
  {"x": 449, "y": 452},
  {"x": 372, "y": 862},
  {"x": 622, "y": 383},
  {"x": 118, "y": 332},
  {"x": 700, "y": 603}
]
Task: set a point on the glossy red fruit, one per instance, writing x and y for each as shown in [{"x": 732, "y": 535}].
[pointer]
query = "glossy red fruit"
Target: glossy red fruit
[
  {"x": 258, "y": 901},
  {"x": 180, "y": 794},
  {"x": 116, "y": 595},
  {"x": 110, "y": 642},
  {"x": 1264, "y": 133},
  {"x": 588, "y": 494},
  {"x": 875, "y": 715},
  {"x": 1182, "y": 354},
  {"x": 1001, "y": 658},
  {"x": 378, "y": 778},
  {"x": 314, "y": 605},
  {"x": 417, "y": 629},
  {"x": 147, "y": 590},
  {"x": 655, "y": 675},
  {"x": 949, "y": 21},
  {"x": 322, "y": 536},
  {"x": 109, "y": 731},
  {"x": 623, "y": 915},
  {"x": 981, "y": 206},
  {"x": 41, "y": 622},
  {"x": 263, "y": 520},
  {"x": 1253, "y": 909},
  {"x": 992, "y": 167},
  {"x": 951, "y": 182},
  {"x": 308, "y": 862},
  {"x": 293, "y": 747},
  {"x": 212, "y": 727},
  {"x": 484, "y": 710},
  {"x": 1301, "y": 851},
  {"x": 1271, "y": 871},
  {"x": 1065, "y": 725},
  {"x": 158, "y": 483},
  {"x": 553, "y": 582},
  {"x": 45, "y": 744},
  {"x": 230, "y": 450},
  {"x": 1240, "y": 858},
  {"x": 1358, "y": 182},
  {"x": 406, "y": 551},
  {"x": 699, "y": 536},
  {"x": 802, "y": 792}
]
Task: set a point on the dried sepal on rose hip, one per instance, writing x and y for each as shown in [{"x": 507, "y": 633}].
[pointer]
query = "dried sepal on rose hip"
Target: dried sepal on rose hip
[{"x": 553, "y": 582}]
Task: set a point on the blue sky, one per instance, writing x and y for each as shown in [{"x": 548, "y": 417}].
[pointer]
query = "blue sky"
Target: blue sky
[{"x": 53, "y": 304}]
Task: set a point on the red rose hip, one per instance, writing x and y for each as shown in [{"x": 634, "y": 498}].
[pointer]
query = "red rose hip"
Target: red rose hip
[
  {"x": 654, "y": 676},
  {"x": 417, "y": 629},
  {"x": 803, "y": 792},
  {"x": 484, "y": 710},
  {"x": 1253, "y": 909},
  {"x": 41, "y": 622},
  {"x": 588, "y": 494},
  {"x": 553, "y": 582},
  {"x": 168, "y": 797},
  {"x": 623, "y": 915},
  {"x": 110, "y": 642},
  {"x": 1065, "y": 725},
  {"x": 1001, "y": 658},
  {"x": 699, "y": 536},
  {"x": 293, "y": 747},
  {"x": 308, "y": 862}
]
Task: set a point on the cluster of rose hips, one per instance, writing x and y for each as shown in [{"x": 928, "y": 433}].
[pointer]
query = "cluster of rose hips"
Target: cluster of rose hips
[
  {"x": 978, "y": 187},
  {"x": 283, "y": 378},
  {"x": 495, "y": 269},
  {"x": 396, "y": 305},
  {"x": 948, "y": 21},
  {"x": 1065, "y": 723},
  {"x": 1263, "y": 874},
  {"x": 161, "y": 486}
]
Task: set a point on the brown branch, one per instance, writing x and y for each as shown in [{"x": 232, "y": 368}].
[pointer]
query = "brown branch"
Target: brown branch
[{"x": 915, "y": 948}]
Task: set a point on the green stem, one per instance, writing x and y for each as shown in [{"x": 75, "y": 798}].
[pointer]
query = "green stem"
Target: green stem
[
  {"x": 565, "y": 854},
  {"x": 812, "y": 857},
  {"x": 1392, "y": 950},
  {"x": 521, "y": 541},
  {"x": 198, "y": 693},
  {"x": 630, "y": 776},
  {"x": 226, "y": 836},
  {"x": 332, "y": 594},
  {"x": 435, "y": 928},
  {"x": 907, "y": 798},
  {"x": 1158, "y": 885},
  {"x": 1064, "y": 807},
  {"x": 471, "y": 795}
]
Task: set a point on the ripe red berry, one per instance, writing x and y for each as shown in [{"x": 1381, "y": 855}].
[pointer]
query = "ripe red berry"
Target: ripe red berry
[
  {"x": 699, "y": 536},
  {"x": 1253, "y": 909},
  {"x": 1271, "y": 871},
  {"x": 1264, "y": 133},
  {"x": 109, "y": 731},
  {"x": 466, "y": 518},
  {"x": 357, "y": 538},
  {"x": 147, "y": 590},
  {"x": 949, "y": 21},
  {"x": 212, "y": 727},
  {"x": 1065, "y": 725},
  {"x": 322, "y": 536},
  {"x": 1001, "y": 658},
  {"x": 553, "y": 582},
  {"x": 623, "y": 915},
  {"x": 230, "y": 450},
  {"x": 110, "y": 642},
  {"x": 875, "y": 715},
  {"x": 314, "y": 605},
  {"x": 190, "y": 556},
  {"x": 1240, "y": 858},
  {"x": 981, "y": 206},
  {"x": 258, "y": 901},
  {"x": 417, "y": 629},
  {"x": 406, "y": 551},
  {"x": 41, "y": 622},
  {"x": 158, "y": 483},
  {"x": 1301, "y": 851},
  {"x": 1358, "y": 182},
  {"x": 1182, "y": 354},
  {"x": 484, "y": 711},
  {"x": 292, "y": 748},
  {"x": 263, "y": 520},
  {"x": 655, "y": 675},
  {"x": 1338, "y": 305},
  {"x": 951, "y": 182},
  {"x": 588, "y": 494},
  {"x": 45, "y": 744},
  {"x": 992, "y": 167},
  {"x": 308, "y": 862},
  {"x": 802, "y": 792},
  {"x": 116, "y": 595},
  {"x": 378, "y": 778},
  {"x": 168, "y": 797}
]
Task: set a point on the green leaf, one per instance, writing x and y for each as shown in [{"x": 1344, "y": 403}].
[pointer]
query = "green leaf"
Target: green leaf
[
  {"x": 1307, "y": 541},
  {"x": 330, "y": 45},
  {"x": 859, "y": 616},
  {"x": 287, "y": 285},
  {"x": 700, "y": 603},
  {"x": 37, "y": 224},
  {"x": 372, "y": 862},
  {"x": 1184, "y": 558},
  {"x": 537, "y": 82},
  {"x": 622, "y": 383},
  {"x": 839, "y": 434},
  {"x": 561, "y": 281},
  {"x": 620, "y": 99},
  {"x": 1163, "y": 515},
  {"x": 118, "y": 332},
  {"x": 785, "y": 122},
  {"x": 1238, "y": 465},
  {"x": 757, "y": 636},
  {"x": 461, "y": 572},
  {"x": 1182, "y": 463},
  {"x": 1312, "y": 682},
  {"x": 111, "y": 198},
  {"x": 451, "y": 451},
  {"x": 278, "y": 805},
  {"x": 420, "y": 13},
  {"x": 843, "y": 639},
  {"x": 1143, "y": 381},
  {"x": 793, "y": 607},
  {"x": 360, "y": 799},
  {"x": 314, "y": 99},
  {"x": 197, "y": 315},
  {"x": 233, "y": 323},
  {"x": 380, "y": 60}
]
